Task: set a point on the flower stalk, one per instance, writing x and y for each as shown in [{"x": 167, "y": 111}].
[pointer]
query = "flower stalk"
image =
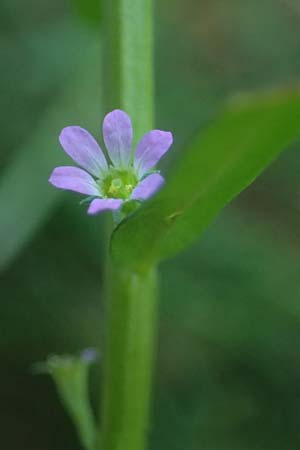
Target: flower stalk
[{"x": 70, "y": 375}]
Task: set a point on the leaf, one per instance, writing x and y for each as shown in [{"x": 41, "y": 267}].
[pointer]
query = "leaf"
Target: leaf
[
  {"x": 26, "y": 198},
  {"x": 220, "y": 163}
]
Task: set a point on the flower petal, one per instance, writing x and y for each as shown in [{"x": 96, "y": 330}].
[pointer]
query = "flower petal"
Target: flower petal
[
  {"x": 117, "y": 135},
  {"x": 147, "y": 187},
  {"x": 150, "y": 149},
  {"x": 74, "y": 179},
  {"x": 103, "y": 204},
  {"x": 83, "y": 149}
]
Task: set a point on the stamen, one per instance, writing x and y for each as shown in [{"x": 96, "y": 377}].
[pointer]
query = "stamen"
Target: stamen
[
  {"x": 118, "y": 184},
  {"x": 115, "y": 186}
]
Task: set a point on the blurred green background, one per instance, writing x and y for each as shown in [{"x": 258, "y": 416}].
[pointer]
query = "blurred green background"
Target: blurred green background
[{"x": 228, "y": 365}]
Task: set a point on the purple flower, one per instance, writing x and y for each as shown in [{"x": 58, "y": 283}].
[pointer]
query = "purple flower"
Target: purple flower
[
  {"x": 89, "y": 355},
  {"x": 128, "y": 176}
]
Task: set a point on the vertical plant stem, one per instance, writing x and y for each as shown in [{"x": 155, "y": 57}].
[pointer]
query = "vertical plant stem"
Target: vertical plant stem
[
  {"x": 128, "y": 60},
  {"x": 128, "y": 84},
  {"x": 129, "y": 357}
]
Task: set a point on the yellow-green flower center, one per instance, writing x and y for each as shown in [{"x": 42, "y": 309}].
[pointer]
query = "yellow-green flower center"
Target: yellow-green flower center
[{"x": 118, "y": 183}]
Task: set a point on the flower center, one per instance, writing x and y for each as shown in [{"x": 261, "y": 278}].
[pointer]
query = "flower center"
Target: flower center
[{"x": 118, "y": 183}]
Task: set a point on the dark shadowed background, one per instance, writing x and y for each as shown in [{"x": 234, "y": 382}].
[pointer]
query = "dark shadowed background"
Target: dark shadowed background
[{"x": 228, "y": 366}]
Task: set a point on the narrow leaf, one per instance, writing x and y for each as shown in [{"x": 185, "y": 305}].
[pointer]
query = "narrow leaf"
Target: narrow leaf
[
  {"x": 221, "y": 162},
  {"x": 26, "y": 198}
]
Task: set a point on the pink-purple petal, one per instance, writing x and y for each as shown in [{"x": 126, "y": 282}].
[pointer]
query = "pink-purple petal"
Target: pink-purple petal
[
  {"x": 73, "y": 179},
  {"x": 147, "y": 187},
  {"x": 83, "y": 148},
  {"x": 150, "y": 149},
  {"x": 104, "y": 204},
  {"x": 117, "y": 135}
]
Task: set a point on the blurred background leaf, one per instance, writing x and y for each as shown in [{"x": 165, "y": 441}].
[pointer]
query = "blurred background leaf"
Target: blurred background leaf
[
  {"x": 228, "y": 373},
  {"x": 26, "y": 197}
]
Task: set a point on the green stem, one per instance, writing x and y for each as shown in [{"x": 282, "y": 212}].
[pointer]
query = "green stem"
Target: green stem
[
  {"x": 127, "y": 381},
  {"x": 128, "y": 84},
  {"x": 81, "y": 411},
  {"x": 128, "y": 60},
  {"x": 70, "y": 375}
]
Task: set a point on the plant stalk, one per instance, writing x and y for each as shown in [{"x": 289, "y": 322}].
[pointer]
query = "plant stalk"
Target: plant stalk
[
  {"x": 128, "y": 60},
  {"x": 131, "y": 308},
  {"x": 129, "y": 356}
]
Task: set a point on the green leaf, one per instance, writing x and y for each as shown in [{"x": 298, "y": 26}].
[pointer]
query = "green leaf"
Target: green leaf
[
  {"x": 220, "y": 163},
  {"x": 26, "y": 197}
]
